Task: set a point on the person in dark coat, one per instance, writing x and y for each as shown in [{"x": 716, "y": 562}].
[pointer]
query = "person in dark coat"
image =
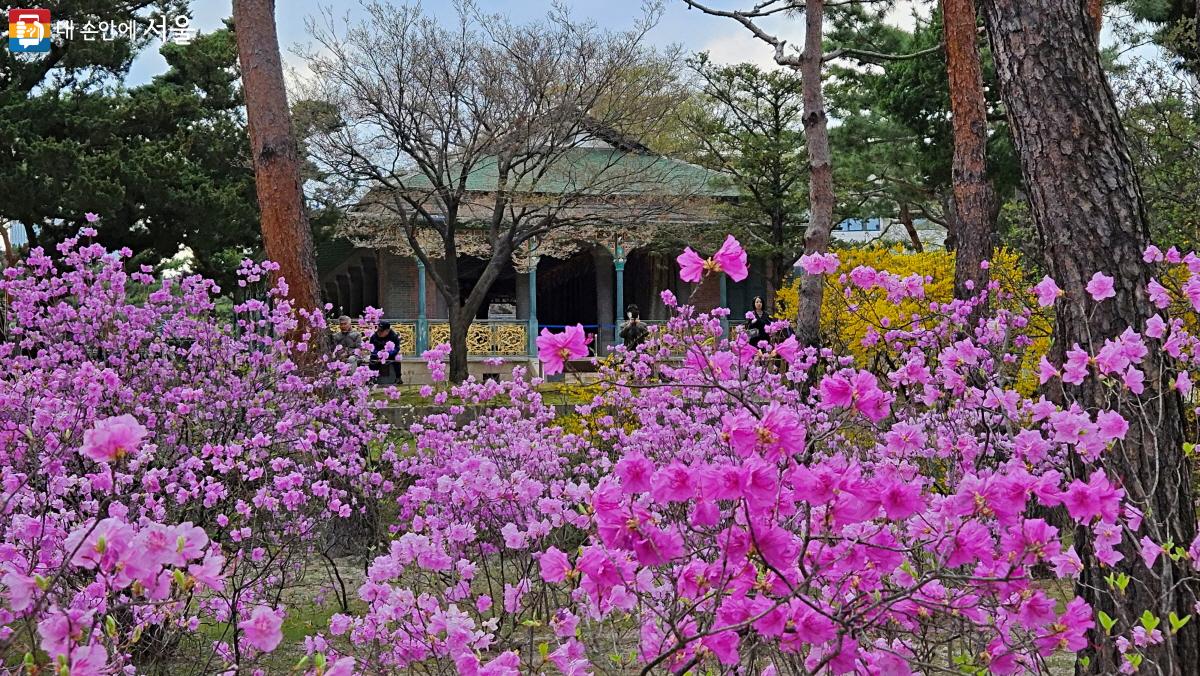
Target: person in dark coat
[
  {"x": 758, "y": 322},
  {"x": 385, "y": 341},
  {"x": 634, "y": 333}
]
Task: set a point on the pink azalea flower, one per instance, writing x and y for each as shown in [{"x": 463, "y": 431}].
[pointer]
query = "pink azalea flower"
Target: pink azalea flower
[
  {"x": 1150, "y": 551},
  {"x": 263, "y": 629},
  {"x": 208, "y": 573},
  {"x": 1076, "y": 368},
  {"x": 21, "y": 590},
  {"x": 900, "y": 499},
  {"x": 1098, "y": 498},
  {"x": 724, "y": 645},
  {"x": 1047, "y": 292},
  {"x": 555, "y": 565},
  {"x": 788, "y": 350},
  {"x": 113, "y": 438},
  {"x": 344, "y": 666},
  {"x": 860, "y": 390},
  {"x": 635, "y": 471},
  {"x": 731, "y": 259},
  {"x": 89, "y": 660},
  {"x": 1070, "y": 632},
  {"x": 1046, "y": 371},
  {"x": 778, "y": 434},
  {"x": 1156, "y": 327},
  {"x": 1183, "y": 383},
  {"x": 1067, "y": 564},
  {"x": 555, "y": 349},
  {"x": 1134, "y": 380},
  {"x": 1111, "y": 425},
  {"x": 1101, "y": 287},
  {"x": 672, "y": 483},
  {"x": 1158, "y": 294},
  {"x": 1152, "y": 254},
  {"x": 61, "y": 629},
  {"x": 819, "y": 264},
  {"x": 691, "y": 266},
  {"x": 91, "y": 217},
  {"x": 1191, "y": 290}
]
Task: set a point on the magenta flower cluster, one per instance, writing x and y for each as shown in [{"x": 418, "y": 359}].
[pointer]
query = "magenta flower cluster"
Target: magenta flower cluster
[
  {"x": 168, "y": 466},
  {"x": 720, "y": 506}
]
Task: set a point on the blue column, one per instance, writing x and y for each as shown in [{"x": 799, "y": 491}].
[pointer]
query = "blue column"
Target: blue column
[
  {"x": 533, "y": 321},
  {"x": 422, "y": 319},
  {"x": 619, "y": 263},
  {"x": 724, "y": 303}
]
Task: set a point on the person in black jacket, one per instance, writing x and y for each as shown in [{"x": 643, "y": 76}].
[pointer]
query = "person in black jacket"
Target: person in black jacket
[
  {"x": 757, "y": 325},
  {"x": 635, "y": 331},
  {"x": 385, "y": 342}
]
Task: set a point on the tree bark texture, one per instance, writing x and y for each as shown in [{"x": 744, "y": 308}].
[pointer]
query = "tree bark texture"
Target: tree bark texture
[
  {"x": 1088, "y": 209},
  {"x": 906, "y": 220},
  {"x": 973, "y": 194},
  {"x": 820, "y": 193},
  {"x": 285, "y": 229},
  {"x": 10, "y": 254},
  {"x": 1095, "y": 10}
]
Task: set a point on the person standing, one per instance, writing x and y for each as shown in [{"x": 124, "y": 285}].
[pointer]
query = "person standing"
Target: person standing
[
  {"x": 759, "y": 320},
  {"x": 634, "y": 333}
]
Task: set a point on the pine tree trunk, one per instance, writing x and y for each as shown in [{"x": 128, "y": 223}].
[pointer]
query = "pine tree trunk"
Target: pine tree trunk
[
  {"x": 1095, "y": 10},
  {"x": 1088, "y": 209},
  {"x": 914, "y": 237},
  {"x": 285, "y": 229},
  {"x": 973, "y": 194},
  {"x": 820, "y": 193}
]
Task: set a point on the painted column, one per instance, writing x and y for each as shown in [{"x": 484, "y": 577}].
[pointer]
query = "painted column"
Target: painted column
[
  {"x": 422, "y": 318},
  {"x": 724, "y": 303},
  {"x": 619, "y": 264},
  {"x": 533, "y": 320}
]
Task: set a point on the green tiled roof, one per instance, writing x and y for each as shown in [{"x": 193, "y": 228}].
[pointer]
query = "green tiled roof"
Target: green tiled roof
[
  {"x": 604, "y": 171},
  {"x": 332, "y": 253}
]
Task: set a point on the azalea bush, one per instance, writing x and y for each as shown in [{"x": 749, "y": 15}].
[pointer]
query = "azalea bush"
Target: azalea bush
[
  {"x": 169, "y": 472},
  {"x": 854, "y": 314},
  {"x": 716, "y": 506},
  {"x": 782, "y": 511}
]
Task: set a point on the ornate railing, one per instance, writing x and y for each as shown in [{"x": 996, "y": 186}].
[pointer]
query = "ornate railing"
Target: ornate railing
[
  {"x": 488, "y": 337},
  {"x": 485, "y": 338}
]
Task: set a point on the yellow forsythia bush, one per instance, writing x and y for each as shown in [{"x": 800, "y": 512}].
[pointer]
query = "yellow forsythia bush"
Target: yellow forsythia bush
[{"x": 847, "y": 319}]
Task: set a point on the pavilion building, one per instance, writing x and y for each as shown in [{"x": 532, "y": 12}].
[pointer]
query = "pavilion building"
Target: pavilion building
[{"x": 583, "y": 273}]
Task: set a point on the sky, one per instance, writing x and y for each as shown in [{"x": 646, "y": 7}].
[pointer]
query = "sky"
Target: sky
[{"x": 724, "y": 39}]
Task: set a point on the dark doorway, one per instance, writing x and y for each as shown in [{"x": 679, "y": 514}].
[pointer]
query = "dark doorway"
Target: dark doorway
[
  {"x": 503, "y": 290},
  {"x": 566, "y": 293}
]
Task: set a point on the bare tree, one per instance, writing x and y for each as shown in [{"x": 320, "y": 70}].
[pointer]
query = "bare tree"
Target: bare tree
[
  {"x": 821, "y": 198},
  {"x": 285, "y": 229},
  {"x": 490, "y": 129},
  {"x": 808, "y": 63}
]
